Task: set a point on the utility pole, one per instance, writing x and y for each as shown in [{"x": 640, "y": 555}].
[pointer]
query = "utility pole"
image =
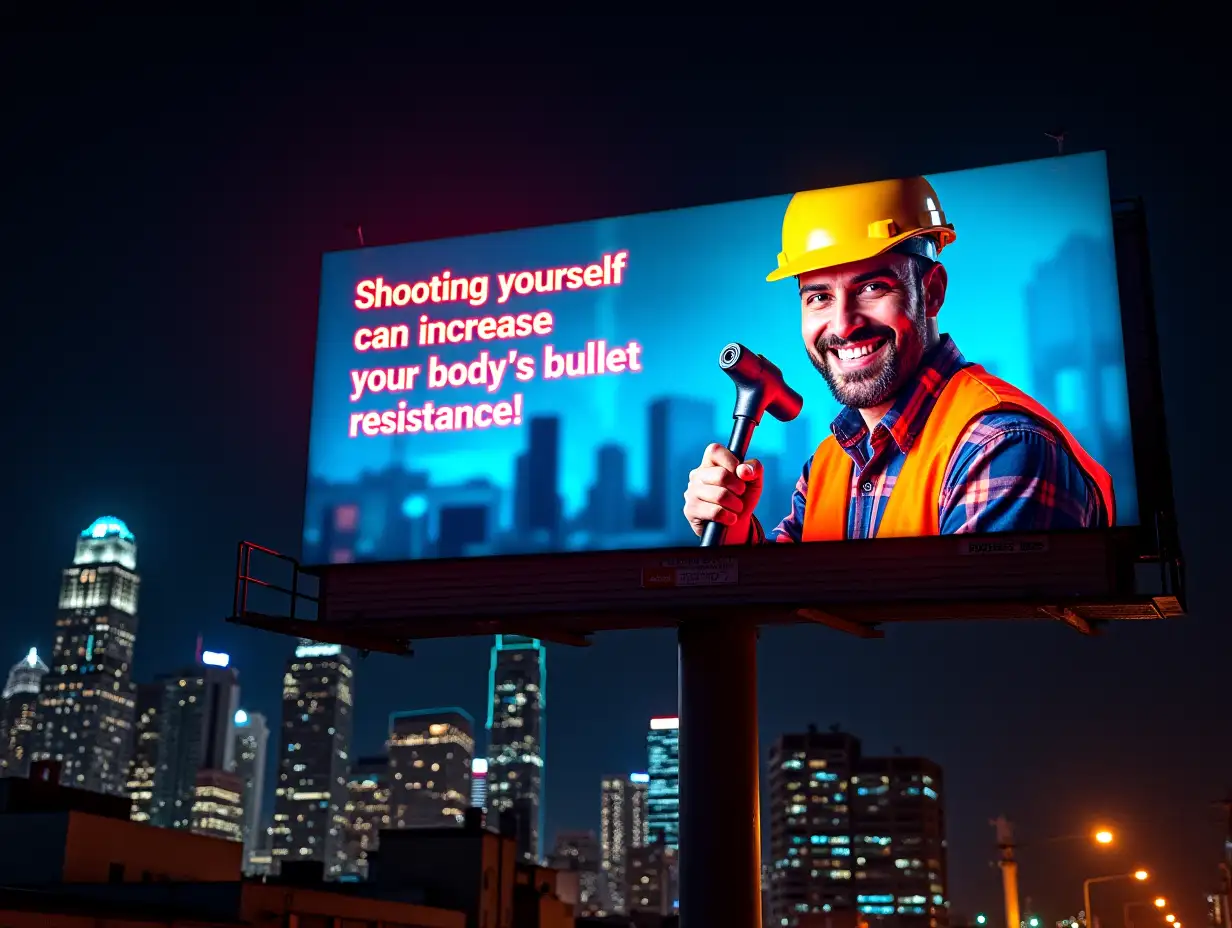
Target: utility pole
[{"x": 1009, "y": 870}]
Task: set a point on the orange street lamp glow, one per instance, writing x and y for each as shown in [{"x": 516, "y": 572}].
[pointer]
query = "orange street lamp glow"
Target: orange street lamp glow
[
  {"x": 1160, "y": 902},
  {"x": 1170, "y": 918},
  {"x": 1103, "y": 836},
  {"x": 1141, "y": 875}
]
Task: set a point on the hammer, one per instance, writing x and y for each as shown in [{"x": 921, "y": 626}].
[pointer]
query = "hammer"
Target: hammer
[{"x": 759, "y": 388}]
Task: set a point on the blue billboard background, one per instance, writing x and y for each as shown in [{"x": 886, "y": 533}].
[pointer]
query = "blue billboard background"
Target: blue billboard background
[{"x": 600, "y": 463}]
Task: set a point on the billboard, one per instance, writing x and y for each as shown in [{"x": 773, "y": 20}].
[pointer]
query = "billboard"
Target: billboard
[{"x": 955, "y": 339}]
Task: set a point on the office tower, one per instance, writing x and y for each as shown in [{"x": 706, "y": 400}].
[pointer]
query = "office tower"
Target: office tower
[
  {"x": 87, "y": 706},
  {"x": 218, "y": 805},
  {"x": 430, "y": 753},
  {"x": 578, "y": 852},
  {"x": 651, "y": 879},
  {"x": 19, "y": 715},
  {"x": 196, "y": 733},
  {"x": 857, "y": 835},
  {"x": 251, "y": 751},
  {"x": 479, "y": 783},
  {"x": 314, "y": 758},
  {"x": 663, "y": 765},
  {"x": 623, "y": 826},
  {"x": 143, "y": 763},
  {"x": 367, "y": 811},
  {"x": 679, "y": 430},
  {"x": 516, "y": 703}
]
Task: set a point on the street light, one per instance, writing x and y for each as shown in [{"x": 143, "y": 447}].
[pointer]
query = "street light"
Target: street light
[
  {"x": 1104, "y": 836},
  {"x": 981, "y": 919},
  {"x": 1159, "y": 903},
  {"x": 1139, "y": 875},
  {"x": 1170, "y": 918}
]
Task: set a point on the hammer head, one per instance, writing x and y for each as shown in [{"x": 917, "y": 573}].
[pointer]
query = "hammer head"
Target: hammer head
[{"x": 759, "y": 385}]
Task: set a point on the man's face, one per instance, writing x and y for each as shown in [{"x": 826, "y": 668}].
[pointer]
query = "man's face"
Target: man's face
[{"x": 865, "y": 325}]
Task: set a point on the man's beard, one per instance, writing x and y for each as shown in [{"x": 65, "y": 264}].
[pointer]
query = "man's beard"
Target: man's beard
[{"x": 867, "y": 388}]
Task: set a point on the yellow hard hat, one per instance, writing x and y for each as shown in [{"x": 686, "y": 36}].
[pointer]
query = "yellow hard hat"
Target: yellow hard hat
[{"x": 838, "y": 225}]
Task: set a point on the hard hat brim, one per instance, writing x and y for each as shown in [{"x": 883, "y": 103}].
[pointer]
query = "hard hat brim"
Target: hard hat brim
[{"x": 835, "y": 255}]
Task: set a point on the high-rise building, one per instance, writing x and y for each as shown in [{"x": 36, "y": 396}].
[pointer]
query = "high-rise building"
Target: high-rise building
[
  {"x": 218, "y": 805},
  {"x": 196, "y": 734},
  {"x": 578, "y": 852},
  {"x": 622, "y": 826},
  {"x": 479, "y": 783},
  {"x": 143, "y": 763},
  {"x": 367, "y": 811},
  {"x": 251, "y": 752},
  {"x": 663, "y": 765},
  {"x": 314, "y": 758},
  {"x": 651, "y": 879},
  {"x": 516, "y": 704},
  {"x": 19, "y": 715},
  {"x": 88, "y": 704},
  {"x": 862, "y": 836},
  {"x": 430, "y": 754}
]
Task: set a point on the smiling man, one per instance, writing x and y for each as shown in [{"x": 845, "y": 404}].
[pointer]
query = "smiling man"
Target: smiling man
[{"x": 928, "y": 443}]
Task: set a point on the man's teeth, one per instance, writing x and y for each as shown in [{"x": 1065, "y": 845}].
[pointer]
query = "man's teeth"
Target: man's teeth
[{"x": 850, "y": 354}]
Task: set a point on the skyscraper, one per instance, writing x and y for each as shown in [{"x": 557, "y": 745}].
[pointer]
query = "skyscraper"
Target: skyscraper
[
  {"x": 19, "y": 715},
  {"x": 217, "y": 809},
  {"x": 430, "y": 753},
  {"x": 251, "y": 752},
  {"x": 854, "y": 834},
  {"x": 578, "y": 852},
  {"x": 88, "y": 704},
  {"x": 367, "y": 811},
  {"x": 516, "y": 703},
  {"x": 314, "y": 757},
  {"x": 663, "y": 765},
  {"x": 622, "y": 827},
  {"x": 479, "y": 783},
  {"x": 196, "y": 734},
  {"x": 143, "y": 764}
]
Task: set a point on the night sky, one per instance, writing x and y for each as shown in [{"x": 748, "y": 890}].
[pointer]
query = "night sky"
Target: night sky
[{"x": 169, "y": 187}]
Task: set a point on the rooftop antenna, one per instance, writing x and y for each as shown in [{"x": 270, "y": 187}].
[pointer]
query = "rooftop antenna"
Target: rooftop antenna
[
  {"x": 1059, "y": 138},
  {"x": 359, "y": 231}
]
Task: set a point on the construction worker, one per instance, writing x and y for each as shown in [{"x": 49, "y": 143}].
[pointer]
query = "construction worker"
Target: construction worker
[{"x": 927, "y": 443}]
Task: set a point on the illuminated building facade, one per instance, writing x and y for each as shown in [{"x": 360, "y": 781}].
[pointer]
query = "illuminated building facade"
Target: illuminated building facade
[
  {"x": 196, "y": 734},
  {"x": 479, "y": 783},
  {"x": 19, "y": 715},
  {"x": 430, "y": 754},
  {"x": 516, "y": 705},
  {"x": 578, "y": 852},
  {"x": 367, "y": 811},
  {"x": 663, "y": 765},
  {"x": 314, "y": 758},
  {"x": 651, "y": 879},
  {"x": 218, "y": 805},
  {"x": 143, "y": 763},
  {"x": 623, "y": 825},
  {"x": 251, "y": 752},
  {"x": 857, "y": 835},
  {"x": 87, "y": 706}
]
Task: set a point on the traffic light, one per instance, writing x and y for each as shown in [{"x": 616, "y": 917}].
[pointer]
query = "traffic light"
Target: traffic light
[
  {"x": 1033, "y": 922},
  {"x": 981, "y": 919}
]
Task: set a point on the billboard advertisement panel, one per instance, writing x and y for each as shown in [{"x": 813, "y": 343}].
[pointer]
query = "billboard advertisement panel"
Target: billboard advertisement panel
[{"x": 955, "y": 339}]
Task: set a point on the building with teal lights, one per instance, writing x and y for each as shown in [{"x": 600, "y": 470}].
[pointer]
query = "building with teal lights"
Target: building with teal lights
[
  {"x": 87, "y": 704},
  {"x": 663, "y": 767},
  {"x": 517, "y": 682},
  {"x": 877, "y": 850}
]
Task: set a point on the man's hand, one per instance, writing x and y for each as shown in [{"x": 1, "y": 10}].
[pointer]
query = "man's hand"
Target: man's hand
[{"x": 723, "y": 490}]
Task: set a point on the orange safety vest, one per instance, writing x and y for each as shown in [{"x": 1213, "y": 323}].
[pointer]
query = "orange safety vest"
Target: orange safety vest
[{"x": 913, "y": 509}]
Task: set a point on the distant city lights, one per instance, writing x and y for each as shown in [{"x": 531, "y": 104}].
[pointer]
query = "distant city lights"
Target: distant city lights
[
  {"x": 215, "y": 659},
  {"x": 479, "y": 765},
  {"x": 664, "y": 723},
  {"x": 32, "y": 658},
  {"x": 639, "y": 778},
  {"x": 241, "y": 717}
]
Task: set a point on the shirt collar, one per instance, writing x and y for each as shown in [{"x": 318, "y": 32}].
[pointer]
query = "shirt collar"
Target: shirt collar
[{"x": 905, "y": 419}]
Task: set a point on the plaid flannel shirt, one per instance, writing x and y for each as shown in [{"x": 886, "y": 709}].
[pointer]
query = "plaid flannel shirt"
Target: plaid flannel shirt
[{"x": 1009, "y": 472}]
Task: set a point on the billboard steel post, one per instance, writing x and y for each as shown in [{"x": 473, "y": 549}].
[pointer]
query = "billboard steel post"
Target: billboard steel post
[{"x": 720, "y": 831}]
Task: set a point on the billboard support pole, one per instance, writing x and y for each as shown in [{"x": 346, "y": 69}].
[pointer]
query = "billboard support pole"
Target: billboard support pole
[{"x": 720, "y": 827}]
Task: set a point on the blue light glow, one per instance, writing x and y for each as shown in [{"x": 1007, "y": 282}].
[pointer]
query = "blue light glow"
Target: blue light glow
[
  {"x": 639, "y": 778},
  {"x": 215, "y": 658},
  {"x": 241, "y": 717},
  {"x": 108, "y": 527}
]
